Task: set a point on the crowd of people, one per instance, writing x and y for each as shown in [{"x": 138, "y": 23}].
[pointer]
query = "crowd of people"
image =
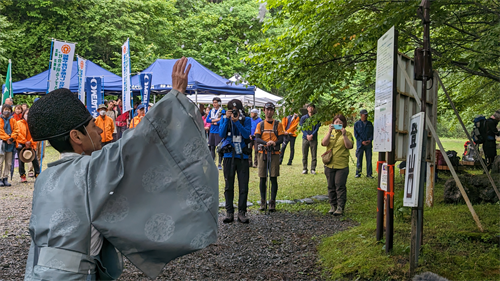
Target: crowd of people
[{"x": 243, "y": 140}]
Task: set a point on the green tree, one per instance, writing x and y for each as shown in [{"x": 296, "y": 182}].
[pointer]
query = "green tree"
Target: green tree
[{"x": 326, "y": 45}]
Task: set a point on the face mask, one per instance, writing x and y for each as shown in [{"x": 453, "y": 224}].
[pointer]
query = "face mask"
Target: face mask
[
  {"x": 337, "y": 126},
  {"x": 93, "y": 146},
  {"x": 102, "y": 112},
  {"x": 6, "y": 113}
]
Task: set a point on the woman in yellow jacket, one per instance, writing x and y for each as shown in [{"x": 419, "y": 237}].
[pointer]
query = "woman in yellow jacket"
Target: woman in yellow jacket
[
  {"x": 138, "y": 118},
  {"x": 24, "y": 140},
  {"x": 8, "y": 133},
  {"x": 106, "y": 124}
]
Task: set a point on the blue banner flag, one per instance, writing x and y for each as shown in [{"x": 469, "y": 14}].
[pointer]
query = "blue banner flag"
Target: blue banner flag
[
  {"x": 94, "y": 97},
  {"x": 145, "y": 80}
]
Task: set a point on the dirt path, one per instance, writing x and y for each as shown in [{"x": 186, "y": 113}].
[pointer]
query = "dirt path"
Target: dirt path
[{"x": 280, "y": 246}]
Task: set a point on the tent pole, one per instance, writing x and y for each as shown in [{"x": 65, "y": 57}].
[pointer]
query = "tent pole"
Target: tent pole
[
  {"x": 253, "y": 99},
  {"x": 196, "y": 96}
]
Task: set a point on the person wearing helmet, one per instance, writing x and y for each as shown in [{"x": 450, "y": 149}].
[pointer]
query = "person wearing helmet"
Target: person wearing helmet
[{"x": 269, "y": 135}]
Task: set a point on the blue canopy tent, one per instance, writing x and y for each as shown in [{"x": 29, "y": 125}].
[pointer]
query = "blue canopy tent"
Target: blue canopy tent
[
  {"x": 37, "y": 84},
  {"x": 200, "y": 80}
]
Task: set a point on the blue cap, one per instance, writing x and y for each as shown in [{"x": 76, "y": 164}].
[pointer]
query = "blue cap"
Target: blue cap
[{"x": 141, "y": 106}]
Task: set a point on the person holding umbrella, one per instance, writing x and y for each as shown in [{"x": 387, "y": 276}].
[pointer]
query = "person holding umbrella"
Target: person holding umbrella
[
  {"x": 8, "y": 134},
  {"x": 24, "y": 145}
]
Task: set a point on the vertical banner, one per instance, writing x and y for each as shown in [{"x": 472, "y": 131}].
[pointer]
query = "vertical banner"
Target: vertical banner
[
  {"x": 7, "y": 90},
  {"x": 126, "y": 94},
  {"x": 145, "y": 80},
  {"x": 94, "y": 98},
  {"x": 82, "y": 67},
  {"x": 413, "y": 161},
  {"x": 62, "y": 64},
  {"x": 382, "y": 127}
]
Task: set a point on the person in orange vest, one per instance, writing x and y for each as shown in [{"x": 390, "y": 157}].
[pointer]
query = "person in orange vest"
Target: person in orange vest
[
  {"x": 24, "y": 140},
  {"x": 106, "y": 124},
  {"x": 290, "y": 124},
  {"x": 8, "y": 133},
  {"x": 138, "y": 118}
]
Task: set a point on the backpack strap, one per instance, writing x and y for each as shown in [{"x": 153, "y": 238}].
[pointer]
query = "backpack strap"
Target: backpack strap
[
  {"x": 275, "y": 128},
  {"x": 261, "y": 124}
]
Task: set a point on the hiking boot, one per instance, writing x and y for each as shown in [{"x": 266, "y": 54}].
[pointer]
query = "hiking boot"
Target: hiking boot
[
  {"x": 332, "y": 209},
  {"x": 357, "y": 176},
  {"x": 313, "y": 172},
  {"x": 242, "y": 218},
  {"x": 6, "y": 183},
  {"x": 23, "y": 179},
  {"x": 304, "y": 172},
  {"x": 254, "y": 166},
  {"x": 272, "y": 206},
  {"x": 229, "y": 218},
  {"x": 338, "y": 212},
  {"x": 263, "y": 205}
]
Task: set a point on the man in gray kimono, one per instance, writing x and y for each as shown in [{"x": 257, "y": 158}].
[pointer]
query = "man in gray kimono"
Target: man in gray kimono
[{"x": 151, "y": 196}]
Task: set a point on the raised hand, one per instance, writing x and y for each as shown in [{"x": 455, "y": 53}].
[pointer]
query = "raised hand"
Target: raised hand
[{"x": 180, "y": 75}]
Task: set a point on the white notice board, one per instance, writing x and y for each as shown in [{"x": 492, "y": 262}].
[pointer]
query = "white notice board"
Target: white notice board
[
  {"x": 384, "y": 90},
  {"x": 414, "y": 160}
]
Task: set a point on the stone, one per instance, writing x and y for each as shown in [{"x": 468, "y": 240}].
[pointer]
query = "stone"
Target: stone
[
  {"x": 285, "y": 201},
  {"x": 320, "y": 197},
  {"x": 495, "y": 167},
  {"x": 477, "y": 187},
  {"x": 222, "y": 205},
  {"x": 307, "y": 201},
  {"x": 249, "y": 204}
]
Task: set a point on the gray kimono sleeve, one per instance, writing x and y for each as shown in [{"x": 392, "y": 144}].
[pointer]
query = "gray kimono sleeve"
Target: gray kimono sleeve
[{"x": 154, "y": 193}]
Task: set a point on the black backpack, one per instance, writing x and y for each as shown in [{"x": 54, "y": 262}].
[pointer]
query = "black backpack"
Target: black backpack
[
  {"x": 479, "y": 133},
  {"x": 454, "y": 159}
]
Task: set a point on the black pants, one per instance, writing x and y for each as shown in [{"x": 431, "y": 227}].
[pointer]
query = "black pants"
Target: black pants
[
  {"x": 490, "y": 151},
  {"x": 289, "y": 141},
  {"x": 337, "y": 191},
  {"x": 120, "y": 131},
  {"x": 22, "y": 170},
  {"x": 263, "y": 188},
  {"x": 242, "y": 170}
]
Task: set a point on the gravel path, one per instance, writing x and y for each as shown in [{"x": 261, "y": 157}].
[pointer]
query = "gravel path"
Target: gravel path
[{"x": 280, "y": 246}]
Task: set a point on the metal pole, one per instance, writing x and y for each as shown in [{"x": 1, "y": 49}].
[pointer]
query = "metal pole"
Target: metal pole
[
  {"x": 196, "y": 96},
  {"x": 380, "y": 198}
]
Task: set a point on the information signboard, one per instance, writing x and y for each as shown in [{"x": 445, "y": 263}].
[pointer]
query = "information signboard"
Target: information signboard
[{"x": 413, "y": 161}]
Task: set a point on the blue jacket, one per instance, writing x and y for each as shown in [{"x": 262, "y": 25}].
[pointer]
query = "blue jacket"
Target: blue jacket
[
  {"x": 363, "y": 132},
  {"x": 237, "y": 130},
  {"x": 313, "y": 132},
  {"x": 254, "y": 125},
  {"x": 214, "y": 128}
]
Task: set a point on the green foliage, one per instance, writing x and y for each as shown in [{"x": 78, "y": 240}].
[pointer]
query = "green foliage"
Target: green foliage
[
  {"x": 325, "y": 51},
  {"x": 216, "y": 34}
]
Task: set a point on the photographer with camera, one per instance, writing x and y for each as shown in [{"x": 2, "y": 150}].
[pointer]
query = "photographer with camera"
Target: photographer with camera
[
  {"x": 234, "y": 130},
  {"x": 214, "y": 118},
  {"x": 269, "y": 134}
]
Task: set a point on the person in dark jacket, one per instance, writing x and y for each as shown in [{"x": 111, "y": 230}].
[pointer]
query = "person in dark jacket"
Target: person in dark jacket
[
  {"x": 309, "y": 141},
  {"x": 363, "y": 132},
  {"x": 489, "y": 146}
]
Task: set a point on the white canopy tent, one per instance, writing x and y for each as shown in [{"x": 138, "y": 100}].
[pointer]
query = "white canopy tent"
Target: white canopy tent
[{"x": 261, "y": 97}]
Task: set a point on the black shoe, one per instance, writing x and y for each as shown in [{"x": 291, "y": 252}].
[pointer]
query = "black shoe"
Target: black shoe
[
  {"x": 1, "y": 183},
  {"x": 242, "y": 218},
  {"x": 357, "y": 176},
  {"x": 272, "y": 206},
  {"x": 369, "y": 177},
  {"x": 229, "y": 218},
  {"x": 289, "y": 164},
  {"x": 6, "y": 183}
]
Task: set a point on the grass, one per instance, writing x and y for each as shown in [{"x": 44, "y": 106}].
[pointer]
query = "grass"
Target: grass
[{"x": 453, "y": 247}]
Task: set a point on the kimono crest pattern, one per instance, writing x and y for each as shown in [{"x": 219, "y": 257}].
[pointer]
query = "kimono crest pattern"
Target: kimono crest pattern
[{"x": 153, "y": 195}]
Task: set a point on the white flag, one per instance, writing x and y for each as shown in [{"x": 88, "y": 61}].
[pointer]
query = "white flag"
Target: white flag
[
  {"x": 82, "y": 68},
  {"x": 126, "y": 77},
  {"x": 61, "y": 66}
]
